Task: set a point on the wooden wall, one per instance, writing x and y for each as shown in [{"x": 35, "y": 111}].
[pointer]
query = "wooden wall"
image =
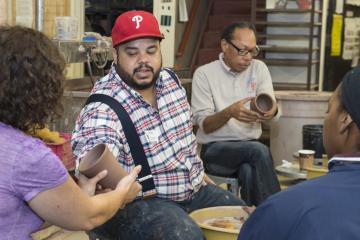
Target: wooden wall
[{"x": 52, "y": 8}]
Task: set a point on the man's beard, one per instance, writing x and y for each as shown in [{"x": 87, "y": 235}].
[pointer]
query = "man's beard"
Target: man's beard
[{"x": 130, "y": 81}]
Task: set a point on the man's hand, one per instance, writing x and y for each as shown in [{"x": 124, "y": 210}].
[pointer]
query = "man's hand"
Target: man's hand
[
  {"x": 241, "y": 113},
  {"x": 270, "y": 115},
  {"x": 207, "y": 179}
]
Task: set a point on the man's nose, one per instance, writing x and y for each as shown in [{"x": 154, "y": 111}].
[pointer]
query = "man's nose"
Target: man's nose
[
  {"x": 144, "y": 57},
  {"x": 248, "y": 56}
]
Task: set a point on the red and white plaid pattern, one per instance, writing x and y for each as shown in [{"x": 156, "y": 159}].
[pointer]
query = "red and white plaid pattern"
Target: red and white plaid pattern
[{"x": 177, "y": 170}]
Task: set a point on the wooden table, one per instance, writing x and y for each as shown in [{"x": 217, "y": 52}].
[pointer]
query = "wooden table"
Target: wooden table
[{"x": 316, "y": 171}]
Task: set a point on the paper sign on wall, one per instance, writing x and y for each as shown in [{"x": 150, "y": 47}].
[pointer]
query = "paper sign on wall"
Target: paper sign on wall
[
  {"x": 339, "y": 6},
  {"x": 183, "y": 14},
  {"x": 336, "y": 31},
  {"x": 351, "y": 38}
]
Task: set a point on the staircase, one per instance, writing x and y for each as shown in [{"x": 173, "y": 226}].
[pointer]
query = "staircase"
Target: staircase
[{"x": 222, "y": 13}]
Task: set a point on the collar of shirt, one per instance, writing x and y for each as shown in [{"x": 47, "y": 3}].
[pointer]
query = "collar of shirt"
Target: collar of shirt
[
  {"x": 227, "y": 68},
  {"x": 344, "y": 158}
]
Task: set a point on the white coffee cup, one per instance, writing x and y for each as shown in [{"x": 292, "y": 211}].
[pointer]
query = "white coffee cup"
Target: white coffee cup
[{"x": 306, "y": 158}]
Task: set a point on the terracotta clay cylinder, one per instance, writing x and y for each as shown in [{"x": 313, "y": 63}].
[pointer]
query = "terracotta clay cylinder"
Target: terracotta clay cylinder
[
  {"x": 100, "y": 158},
  {"x": 262, "y": 103}
]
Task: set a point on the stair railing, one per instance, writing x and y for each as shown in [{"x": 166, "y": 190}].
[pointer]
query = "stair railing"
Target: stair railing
[
  {"x": 199, "y": 40},
  {"x": 187, "y": 30}
]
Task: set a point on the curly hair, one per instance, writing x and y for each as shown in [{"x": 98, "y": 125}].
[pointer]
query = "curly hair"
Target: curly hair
[{"x": 31, "y": 78}]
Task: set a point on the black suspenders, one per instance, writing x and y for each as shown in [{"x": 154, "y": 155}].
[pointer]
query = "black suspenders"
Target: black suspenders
[{"x": 132, "y": 137}]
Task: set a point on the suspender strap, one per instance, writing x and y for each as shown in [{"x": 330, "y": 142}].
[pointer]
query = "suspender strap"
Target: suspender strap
[
  {"x": 173, "y": 75},
  {"x": 136, "y": 148}
]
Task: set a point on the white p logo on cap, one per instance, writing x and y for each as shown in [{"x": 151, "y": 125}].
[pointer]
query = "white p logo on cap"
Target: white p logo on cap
[{"x": 137, "y": 19}]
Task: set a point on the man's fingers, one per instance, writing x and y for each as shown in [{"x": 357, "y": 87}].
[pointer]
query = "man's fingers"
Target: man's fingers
[
  {"x": 247, "y": 117},
  {"x": 245, "y": 100},
  {"x": 247, "y": 120}
]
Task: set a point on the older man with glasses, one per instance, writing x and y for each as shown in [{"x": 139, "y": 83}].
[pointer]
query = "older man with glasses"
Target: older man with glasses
[{"x": 228, "y": 129}]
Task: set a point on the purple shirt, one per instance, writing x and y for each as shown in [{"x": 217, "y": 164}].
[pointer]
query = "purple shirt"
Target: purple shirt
[{"x": 27, "y": 167}]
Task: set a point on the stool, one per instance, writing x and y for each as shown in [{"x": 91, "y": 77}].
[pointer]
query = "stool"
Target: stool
[{"x": 232, "y": 183}]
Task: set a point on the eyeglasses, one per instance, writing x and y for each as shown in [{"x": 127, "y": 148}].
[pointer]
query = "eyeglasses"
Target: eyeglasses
[{"x": 242, "y": 52}]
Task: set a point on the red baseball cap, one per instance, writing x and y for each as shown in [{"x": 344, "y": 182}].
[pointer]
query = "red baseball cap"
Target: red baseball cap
[{"x": 135, "y": 24}]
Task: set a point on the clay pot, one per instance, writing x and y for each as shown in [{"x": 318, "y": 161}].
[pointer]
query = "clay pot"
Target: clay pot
[
  {"x": 100, "y": 158},
  {"x": 262, "y": 103}
]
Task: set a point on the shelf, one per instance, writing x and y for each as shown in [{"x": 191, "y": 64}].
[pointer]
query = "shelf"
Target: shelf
[
  {"x": 80, "y": 84},
  {"x": 288, "y": 62},
  {"x": 270, "y": 48},
  {"x": 284, "y": 36},
  {"x": 104, "y": 11},
  {"x": 287, "y": 24},
  {"x": 72, "y": 54},
  {"x": 293, "y": 86},
  {"x": 294, "y": 10},
  {"x": 272, "y": 45}
]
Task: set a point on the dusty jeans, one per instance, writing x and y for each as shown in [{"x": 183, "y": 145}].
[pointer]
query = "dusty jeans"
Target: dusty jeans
[
  {"x": 227, "y": 158},
  {"x": 163, "y": 219}
]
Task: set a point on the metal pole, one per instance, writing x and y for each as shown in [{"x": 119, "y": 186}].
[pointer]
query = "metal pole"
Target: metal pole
[
  {"x": 39, "y": 19},
  {"x": 322, "y": 44}
]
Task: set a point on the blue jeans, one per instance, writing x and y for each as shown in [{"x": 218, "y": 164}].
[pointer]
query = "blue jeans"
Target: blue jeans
[
  {"x": 250, "y": 161},
  {"x": 163, "y": 219}
]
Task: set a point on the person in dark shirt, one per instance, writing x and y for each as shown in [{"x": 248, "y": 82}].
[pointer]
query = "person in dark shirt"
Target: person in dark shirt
[{"x": 326, "y": 207}]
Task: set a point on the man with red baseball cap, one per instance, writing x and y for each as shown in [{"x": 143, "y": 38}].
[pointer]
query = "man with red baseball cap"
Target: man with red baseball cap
[
  {"x": 140, "y": 111},
  {"x": 135, "y": 24}
]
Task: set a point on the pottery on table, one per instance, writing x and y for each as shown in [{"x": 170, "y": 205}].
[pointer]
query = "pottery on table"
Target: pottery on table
[
  {"x": 262, "y": 103},
  {"x": 100, "y": 158},
  {"x": 204, "y": 216}
]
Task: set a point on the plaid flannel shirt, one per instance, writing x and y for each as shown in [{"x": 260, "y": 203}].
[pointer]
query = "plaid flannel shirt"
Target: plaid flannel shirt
[{"x": 177, "y": 170}]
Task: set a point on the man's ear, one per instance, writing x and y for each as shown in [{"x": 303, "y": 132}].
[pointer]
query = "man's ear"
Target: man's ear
[
  {"x": 345, "y": 121},
  {"x": 223, "y": 44},
  {"x": 114, "y": 52}
]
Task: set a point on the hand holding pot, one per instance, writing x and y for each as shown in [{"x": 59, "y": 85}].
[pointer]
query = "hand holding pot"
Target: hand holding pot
[
  {"x": 264, "y": 105},
  {"x": 241, "y": 113},
  {"x": 101, "y": 158}
]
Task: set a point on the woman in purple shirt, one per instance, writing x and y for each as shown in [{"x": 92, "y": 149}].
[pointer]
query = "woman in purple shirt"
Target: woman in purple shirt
[{"x": 34, "y": 185}]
